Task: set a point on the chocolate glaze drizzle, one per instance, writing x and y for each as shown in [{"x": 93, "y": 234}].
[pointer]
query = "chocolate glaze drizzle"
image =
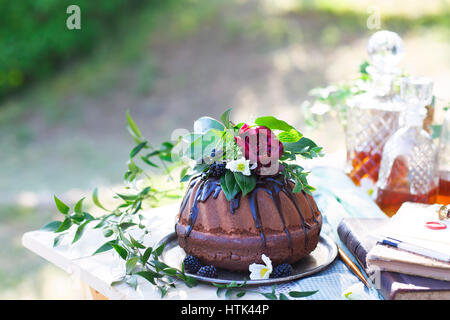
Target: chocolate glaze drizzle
[{"x": 271, "y": 185}]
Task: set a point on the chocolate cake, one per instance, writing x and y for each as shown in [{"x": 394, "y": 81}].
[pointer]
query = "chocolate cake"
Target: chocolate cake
[{"x": 270, "y": 220}]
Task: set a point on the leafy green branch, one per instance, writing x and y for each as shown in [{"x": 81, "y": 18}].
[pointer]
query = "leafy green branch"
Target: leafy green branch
[
  {"x": 118, "y": 224},
  {"x": 239, "y": 290}
]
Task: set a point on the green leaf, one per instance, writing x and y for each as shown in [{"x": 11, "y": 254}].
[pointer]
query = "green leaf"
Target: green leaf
[
  {"x": 116, "y": 282},
  {"x": 105, "y": 247},
  {"x": 301, "y": 146},
  {"x": 290, "y": 136},
  {"x": 301, "y": 294},
  {"x": 283, "y": 297},
  {"x": 187, "y": 177},
  {"x": 57, "y": 240},
  {"x": 219, "y": 291},
  {"x": 128, "y": 197},
  {"x": 88, "y": 216},
  {"x": 62, "y": 207},
  {"x": 273, "y": 123},
  {"x": 190, "y": 281},
  {"x": 96, "y": 201},
  {"x": 269, "y": 295},
  {"x": 133, "y": 128},
  {"x": 228, "y": 293},
  {"x": 246, "y": 183},
  {"x": 79, "y": 232},
  {"x": 126, "y": 225},
  {"x": 146, "y": 255},
  {"x": 225, "y": 118},
  {"x": 204, "y": 124},
  {"x": 149, "y": 276},
  {"x": 124, "y": 239},
  {"x": 158, "y": 251},
  {"x": 79, "y": 207},
  {"x": 160, "y": 265},
  {"x": 136, "y": 243},
  {"x": 184, "y": 172},
  {"x": 108, "y": 233},
  {"x": 66, "y": 224},
  {"x": 149, "y": 162},
  {"x": 229, "y": 185},
  {"x": 170, "y": 271},
  {"x": 363, "y": 67},
  {"x": 132, "y": 281},
  {"x": 137, "y": 149},
  {"x": 131, "y": 264},
  {"x": 51, "y": 226},
  {"x": 120, "y": 250}
]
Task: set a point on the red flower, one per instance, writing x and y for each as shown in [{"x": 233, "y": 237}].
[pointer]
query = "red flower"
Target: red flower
[{"x": 260, "y": 145}]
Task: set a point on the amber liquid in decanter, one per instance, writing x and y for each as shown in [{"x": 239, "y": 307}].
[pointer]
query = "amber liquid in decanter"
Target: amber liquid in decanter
[
  {"x": 444, "y": 188},
  {"x": 365, "y": 164},
  {"x": 390, "y": 199}
]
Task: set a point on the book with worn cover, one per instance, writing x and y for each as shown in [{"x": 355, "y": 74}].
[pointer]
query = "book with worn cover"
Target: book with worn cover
[{"x": 355, "y": 233}]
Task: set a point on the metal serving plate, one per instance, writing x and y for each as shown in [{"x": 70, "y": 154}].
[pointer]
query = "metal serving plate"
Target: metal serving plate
[{"x": 317, "y": 260}]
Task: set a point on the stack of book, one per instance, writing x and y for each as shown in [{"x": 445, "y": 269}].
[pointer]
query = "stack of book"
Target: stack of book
[{"x": 407, "y": 256}]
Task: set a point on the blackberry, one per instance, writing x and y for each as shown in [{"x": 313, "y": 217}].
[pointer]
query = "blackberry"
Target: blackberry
[
  {"x": 282, "y": 270},
  {"x": 217, "y": 169},
  {"x": 207, "y": 271},
  {"x": 192, "y": 264}
]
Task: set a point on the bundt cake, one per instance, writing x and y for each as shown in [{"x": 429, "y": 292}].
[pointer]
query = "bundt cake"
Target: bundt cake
[{"x": 270, "y": 220}]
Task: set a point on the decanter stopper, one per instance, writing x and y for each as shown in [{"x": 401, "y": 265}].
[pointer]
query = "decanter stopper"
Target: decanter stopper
[
  {"x": 385, "y": 49},
  {"x": 416, "y": 93}
]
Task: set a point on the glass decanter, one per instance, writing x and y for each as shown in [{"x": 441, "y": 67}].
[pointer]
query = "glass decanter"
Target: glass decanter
[
  {"x": 408, "y": 170},
  {"x": 444, "y": 162},
  {"x": 373, "y": 116}
]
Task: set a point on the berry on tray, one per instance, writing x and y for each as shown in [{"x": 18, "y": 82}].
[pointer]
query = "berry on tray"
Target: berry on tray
[
  {"x": 192, "y": 264},
  {"x": 207, "y": 271},
  {"x": 282, "y": 270}
]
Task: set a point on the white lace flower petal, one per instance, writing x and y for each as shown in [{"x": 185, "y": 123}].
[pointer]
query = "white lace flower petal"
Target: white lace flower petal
[
  {"x": 240, "y": 165},
  {"x": 355, "y": 292},
  {"x": 260, "y": 271},
  {"x": 267, "y": 261}
]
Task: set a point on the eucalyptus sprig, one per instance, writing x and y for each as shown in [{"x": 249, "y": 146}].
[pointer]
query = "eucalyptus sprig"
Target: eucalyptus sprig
[{"x": 116, "y": 224}]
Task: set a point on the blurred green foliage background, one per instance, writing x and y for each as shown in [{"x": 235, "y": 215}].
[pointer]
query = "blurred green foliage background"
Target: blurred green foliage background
[
  {"x": 34, "y": 40},
  {"x": 64, "y": 93}
]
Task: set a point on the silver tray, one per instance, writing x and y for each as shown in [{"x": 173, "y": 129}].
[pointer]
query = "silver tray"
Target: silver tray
[{"x": 320, "y": 258}]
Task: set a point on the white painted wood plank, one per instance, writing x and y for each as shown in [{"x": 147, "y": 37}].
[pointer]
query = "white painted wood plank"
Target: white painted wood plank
[{"x": 100, "y": 270}]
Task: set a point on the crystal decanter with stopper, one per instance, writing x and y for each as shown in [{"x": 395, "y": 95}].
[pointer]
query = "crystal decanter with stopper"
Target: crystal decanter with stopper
[
  {"x": 373, "y": 116},
  {"x": 444, "y": 162},
  {"x": 408, "y": 170}
]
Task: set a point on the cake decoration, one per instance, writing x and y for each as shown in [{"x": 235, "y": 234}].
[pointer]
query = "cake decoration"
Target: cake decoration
[
  {"x": 207, "y": 271},
  {"x": 246, "y": 196},
  {"x": 261, "y": 271},
  {"x": 282, "y": 270},
  {"x": 192, "y": 264}
]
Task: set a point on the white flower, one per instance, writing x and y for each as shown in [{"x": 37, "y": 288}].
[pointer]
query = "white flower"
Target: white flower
[
  {"x": 240, "y": 165},
  {"x": 368, "y": 187},
  {"x": 355, "y": 292},
  {"x": 260, "y": 271}
]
